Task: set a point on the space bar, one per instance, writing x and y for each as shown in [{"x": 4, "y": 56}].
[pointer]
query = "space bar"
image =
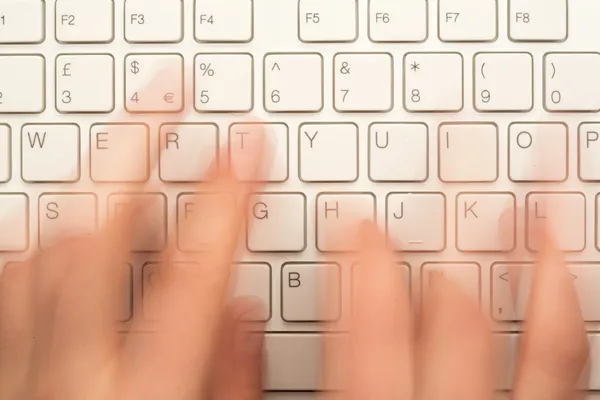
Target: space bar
[{"x": 294, "y": 361}]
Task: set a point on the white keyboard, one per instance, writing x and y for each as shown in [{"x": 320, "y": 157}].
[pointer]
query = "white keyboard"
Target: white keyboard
[{"x": 437, "y": 119}]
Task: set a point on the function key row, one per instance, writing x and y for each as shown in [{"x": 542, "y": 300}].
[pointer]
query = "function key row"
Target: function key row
[
  {"x": 362, "y": 82},
  {"x": 318, "y": 21}
]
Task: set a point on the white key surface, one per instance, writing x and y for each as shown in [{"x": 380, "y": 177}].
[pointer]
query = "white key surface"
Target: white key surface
[
  {"x": 5, "y": 153},
  {"x": 154, "y": 83},
  {"x": 85, "y": 83},
  {"x": 254, "y": 280},
  {"x": 317, "y": 161},
  {"x": 398, "y": 152},
  {"x": 224, "y": 82},
  {"x": 416, "y": 221},
  {"x": 468, "y": 152},
  {"x": 485, "y": 222},
  {"x": 293, "y": 82},
  {"x": 433, "y": 82},
  {"x": 398, "y": 21},
  {"x": 466, "y": 275},
  {"x": 564, "y": 213},
  {"x": 66, "y": 214},
  {"x": 188, "y": 151},
  {"x": 50, "y": 153},
  {"x": 538, "y": 20},
  {"x": 22, "y": 84},
  {"x": 22, "y": 21},
  {"x": 468, "y": 20},
  {"x": 537, "y": 152},
  {"x": 503, "y": 82},
  {"x": 571, "y": 82},
  {"x": 589, "y": 152},
  {"x": 310, "y": 292},
  {"x": 328, "y": 21},
  {"x": 14, "y": 212},
  {"x": 224, "y": 20},
  {"x": 277, "y": 222},
  {"x": 77, "y": 21},
  {"x": 154, "y": 21},
  {"x": 363, "y": 82}
]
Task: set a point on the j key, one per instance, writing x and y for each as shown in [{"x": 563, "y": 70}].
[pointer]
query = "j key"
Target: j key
[
  {"x": 14, "y": 212},
  {"x": 187, "y": 151},
  {"x": 468, "y": 152},
  {"x": 468, "y": 20},
  {"x": 22, "y": 84},
  {"x": 363, "y": 82},
  {"x": 84, "y": 22},
  {"x": 224, "y": 82},
  {"x": 416, "y": 221},
  {"x": 67, "y": 214},
  {"x": 563, "y": 212},
  {"x": 433, "y": 82},
  {"x": 503, "y": 82},
  {"x": 5, "y": 153},
  {"x": 589, "y": 152},
  {"x": 50, "y": 153},
  {"x": 398, "y": 21},
  {"x": 285, "y": 91},
  {"x": 328, "y": 21},
  {"x": 466, "y": 275},
  {"x": 277, "y": 222},
  {"x": 538, "y": 20},
  {"x": 224, "y": 20},
  {"x": 318, "y": 163},
  {"x": 153, "y": 83},
  {"x": 571, "y": 82},
  {"x": 485, "y": 222},
  {"x": 22, "y": 21},
  {"x": 153, "y": 21},
  {"x": 537, "y": 152},
  {"x": 74, "y": 83}
]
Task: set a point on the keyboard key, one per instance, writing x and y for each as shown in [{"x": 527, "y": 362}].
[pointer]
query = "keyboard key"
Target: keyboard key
[
  {"x": 433, "y": 82},
  {"x": 363, "y": 82},
  {"x": 416, "y": 221},
  {"x": 402, "y": 269},
  {"x": 328, "y": 152},
  {"x": 537, "y": 20},
  {"x": 119, "y": 153},
  {"x": 224, "y": 20},
  {"x": 50, "y": 153},
  {"x": 465, "y": 275},
  {"x": 468, "y": 152},
  {"x": 468, "y": 20},
  {"x": 22, "y": 21},
  {"x": 153, "y": 21},
  {"x": 188, "y": 150},
  {"x": 277, "y": 222},
  {"x": 14, "y": 212},
  {"x": 398, "y": 21},
  {"x": 5, "y": 153},
  {"x": 481, "y": 220},
  {"x": 150, "y": 229},
  {"x": 276, "y": 135},
  {"x": 503, "y": 82},
  {"x": 66, "y": 214},
  {"x": 571, "y": 82},
  {"x": 84, "y": 22},
  {"x": 22, "y": 83},
  {"x": 511, "y": 284},
  {"x": 224, "y": 82},
  {"x": 254, "y": 280},
  {"x": 565, "y": 214},
  {"x": 537, "y": 152},
  {"x": 85, "y": 83},
  {"x": 146, "y": 87},
  {"x": 328, "y": 21},
  {"x": 597, "y": 219},
  {"x": 589, "y": 152},
  {"x": 310, "y": 292},
  {"x": 398, "y": 152},
  {"x": 285, "y": 91},
  {"x": 338, "y": 216}
]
